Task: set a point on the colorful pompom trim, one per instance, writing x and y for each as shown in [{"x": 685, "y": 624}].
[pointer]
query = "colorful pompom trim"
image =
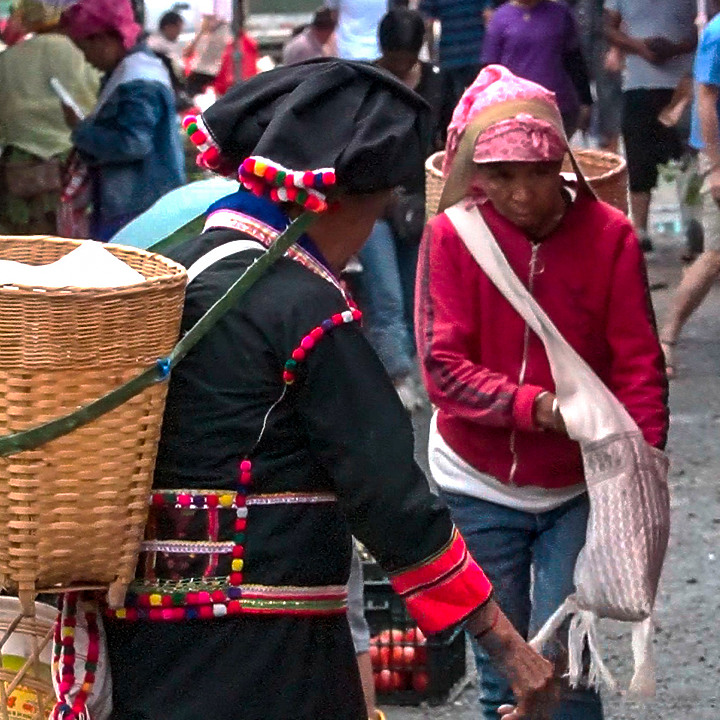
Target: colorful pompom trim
[
  {"x": 306, "y": 345},
  {"x": 64, "y": 659},
  {"x": 210, "y": 157},
  {"x": 265, "y": 177}
]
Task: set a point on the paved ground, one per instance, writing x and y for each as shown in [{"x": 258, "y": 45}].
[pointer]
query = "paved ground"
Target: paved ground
[{"x": 688, "y": 640}]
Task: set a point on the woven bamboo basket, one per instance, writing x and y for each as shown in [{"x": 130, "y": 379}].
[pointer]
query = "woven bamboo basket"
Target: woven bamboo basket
[
  {"x": 605, "y": 171},
  {"x": 26, "y": 689},
  {"x": 72, "y": 512}
]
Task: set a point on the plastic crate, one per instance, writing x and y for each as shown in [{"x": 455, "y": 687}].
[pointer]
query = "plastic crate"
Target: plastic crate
[{"x": 417, "y": 669}]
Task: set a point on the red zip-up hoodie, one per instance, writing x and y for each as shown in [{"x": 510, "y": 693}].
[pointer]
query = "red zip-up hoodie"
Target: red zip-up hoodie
[{"x": 482, "y": 365}]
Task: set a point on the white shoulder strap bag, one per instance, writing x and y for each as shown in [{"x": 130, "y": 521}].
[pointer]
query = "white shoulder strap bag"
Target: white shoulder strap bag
[{"x": 618, "y": 571}]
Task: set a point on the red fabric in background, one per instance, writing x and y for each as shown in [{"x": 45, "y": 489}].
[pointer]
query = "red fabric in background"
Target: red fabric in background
[{"x": 226, "y": 77}]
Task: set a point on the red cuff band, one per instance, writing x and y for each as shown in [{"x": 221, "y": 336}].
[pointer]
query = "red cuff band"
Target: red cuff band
[
  {"x": 444, "y": 590},
  {"x": 524, "y": 406}
]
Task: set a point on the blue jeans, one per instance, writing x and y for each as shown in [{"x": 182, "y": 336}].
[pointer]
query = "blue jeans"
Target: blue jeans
[
  {"x": 512, "y": 547},
  {"x": 386, "y": 288}
]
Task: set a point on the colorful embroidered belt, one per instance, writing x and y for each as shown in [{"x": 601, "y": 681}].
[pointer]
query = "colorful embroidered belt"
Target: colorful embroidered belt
[
  {"x": 199, "y": 599},
  {"x": 201, "y": 577}
]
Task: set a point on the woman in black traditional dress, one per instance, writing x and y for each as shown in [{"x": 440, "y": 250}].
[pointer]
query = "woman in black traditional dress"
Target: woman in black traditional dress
[{"x": 283, "y": 434}]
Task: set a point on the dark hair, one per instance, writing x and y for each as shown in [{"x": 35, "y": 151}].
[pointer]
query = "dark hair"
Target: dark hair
[
  {"x": 402, "y": 29},
  {"x": 170, "y": 18}
]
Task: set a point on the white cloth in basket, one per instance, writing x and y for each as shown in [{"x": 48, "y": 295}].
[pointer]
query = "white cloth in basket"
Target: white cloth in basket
[
  {"x": 89, "y": 265},
  {"x": 618, "y": 571}
]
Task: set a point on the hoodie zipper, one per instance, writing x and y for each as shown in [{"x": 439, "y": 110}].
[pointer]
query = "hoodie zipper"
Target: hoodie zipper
[{"x": 523, "y": 366}]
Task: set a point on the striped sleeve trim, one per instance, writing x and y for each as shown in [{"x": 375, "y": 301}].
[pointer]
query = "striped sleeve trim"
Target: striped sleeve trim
[{"x": 446, "y": 589}]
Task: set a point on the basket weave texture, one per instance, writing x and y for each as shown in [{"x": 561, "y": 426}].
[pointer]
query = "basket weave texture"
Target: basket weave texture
[
  {"x": 73, "y": 511},
  {"x": 605, "y": 171}
]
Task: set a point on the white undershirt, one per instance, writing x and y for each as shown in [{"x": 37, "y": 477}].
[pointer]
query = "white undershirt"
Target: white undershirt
[{"x": 456, "y": 476}]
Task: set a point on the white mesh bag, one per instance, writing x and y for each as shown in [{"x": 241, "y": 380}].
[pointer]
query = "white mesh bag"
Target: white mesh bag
[{"x": 618, "y": 571}]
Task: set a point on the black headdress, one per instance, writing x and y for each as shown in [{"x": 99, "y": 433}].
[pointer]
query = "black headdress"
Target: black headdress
[{"x": 296, "y": 131}]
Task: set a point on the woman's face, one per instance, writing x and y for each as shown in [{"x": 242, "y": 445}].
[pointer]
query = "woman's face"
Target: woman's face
[
  {"x": 103, "y": 51},
  {"x": 529, "y": 194}
]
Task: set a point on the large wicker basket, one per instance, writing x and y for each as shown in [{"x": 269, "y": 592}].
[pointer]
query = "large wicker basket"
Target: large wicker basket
[
  {"x": 605, "y": 171},
  {"x": 72, "y": 512}
]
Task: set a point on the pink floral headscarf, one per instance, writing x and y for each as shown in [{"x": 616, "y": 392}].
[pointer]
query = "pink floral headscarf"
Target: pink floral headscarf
[
  {"x": 90, "y": 17},
  {"x": 521, "y": 138}
]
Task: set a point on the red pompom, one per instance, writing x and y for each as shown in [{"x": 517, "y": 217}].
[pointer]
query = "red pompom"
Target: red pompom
[
  {"x": 338, "y": 319},
  {"x": 234, "y": 607},
  {"x": 188, "y": 120},
  {"x": 236, "y": 578},
  {"x": 271, "y": 173},
  {"x": 357, "y": 315},
  {"x": 246, "y": 478},
  {"x": 290, "y": 180},
  {"x": 329, "y": 177},
  {"x": 238, "y": 551},
  {"x": 308, "y": 179},
  {"x": 299, "y": 355},
  {"x": 212, "y": 501},
  {"x": 246, "y": 466},
  {"x": 198, "y": 138},
  {"x": 206, "y": 612},
  {"x": 218, "y": 596},
  {"x": 317, "y": 333},
  {"x": 314, "y": 204},
  {"x": 249, "y": 165}
]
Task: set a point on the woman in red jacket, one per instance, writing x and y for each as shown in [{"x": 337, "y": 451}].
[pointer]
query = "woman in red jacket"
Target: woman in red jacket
[{"x": 498, "y": 448}]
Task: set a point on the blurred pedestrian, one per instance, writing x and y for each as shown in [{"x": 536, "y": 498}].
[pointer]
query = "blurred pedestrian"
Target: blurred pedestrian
[
  {"x": 605, "y": 67},
  {"x": 357, "y": 27},
  {"x": 131, "y": 141},
  {"x": 34, "y": 137},
  {"x": 498, "y": 448},
  {"x": 462, "y": 25},
  {"x": 313, "y": 41},
  {"x": 165, "y": 42},
  {"x": 701, "y": 276},
  {"x": 658, "y": 38},
  {"x": 538, "y": 40},
  {"x": 386, "y": 285},
  {"x": 166, "y": 45},
  {"x": 204, "y": 54}
]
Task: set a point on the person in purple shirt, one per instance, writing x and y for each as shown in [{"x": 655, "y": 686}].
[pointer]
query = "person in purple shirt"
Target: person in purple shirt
[{"x": 538, "y": 40}]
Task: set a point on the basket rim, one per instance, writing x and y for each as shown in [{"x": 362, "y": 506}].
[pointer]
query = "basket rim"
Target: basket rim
[
  {"x": 431, "y": 167},
  {"x": 175, "y": 272}
]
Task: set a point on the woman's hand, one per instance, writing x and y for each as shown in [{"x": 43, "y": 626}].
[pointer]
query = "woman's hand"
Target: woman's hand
[
  {"x": 71, "y": 118},
  {"x": 531, "y": 677},
  {"x": 547, "y": 413}
]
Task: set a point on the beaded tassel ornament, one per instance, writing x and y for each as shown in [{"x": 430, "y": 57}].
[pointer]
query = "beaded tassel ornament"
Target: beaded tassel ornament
[
  {"x": 261, "y": 176},
  {"x": 67, "y": 708}
]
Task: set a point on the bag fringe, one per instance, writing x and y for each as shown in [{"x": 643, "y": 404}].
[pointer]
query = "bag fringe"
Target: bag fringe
[{"x": 583, "y": 634}]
